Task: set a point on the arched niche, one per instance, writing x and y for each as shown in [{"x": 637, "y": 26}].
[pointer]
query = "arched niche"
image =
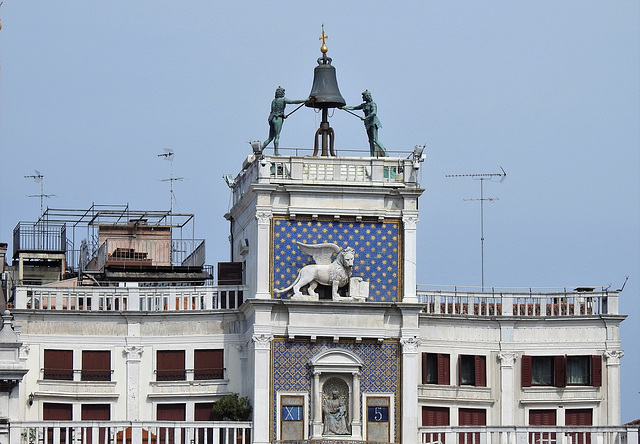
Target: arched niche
[{"x": 334, "y": 368}]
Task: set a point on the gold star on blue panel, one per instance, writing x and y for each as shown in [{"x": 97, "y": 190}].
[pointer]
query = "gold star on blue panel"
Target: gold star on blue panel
[{"x": 374, "y": 243}]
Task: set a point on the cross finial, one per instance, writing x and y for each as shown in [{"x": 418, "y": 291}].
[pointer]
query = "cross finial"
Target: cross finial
[{"x": 323, "y": 38}]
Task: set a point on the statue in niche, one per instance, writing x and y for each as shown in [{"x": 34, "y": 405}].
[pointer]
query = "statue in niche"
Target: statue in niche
[
  {"x": 335, "y": 415},
  {"x": 371, "y": 122},
  {"x": 276, "y": 118}
]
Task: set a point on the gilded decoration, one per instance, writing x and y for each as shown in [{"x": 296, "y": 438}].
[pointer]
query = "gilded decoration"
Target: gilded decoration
[
  {"x": 291, "y": 372},
  {"x": 377, "y": 246}
]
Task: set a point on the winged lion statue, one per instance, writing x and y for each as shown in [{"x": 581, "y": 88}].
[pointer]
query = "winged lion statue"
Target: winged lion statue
[{"x": 335, "y": 274}]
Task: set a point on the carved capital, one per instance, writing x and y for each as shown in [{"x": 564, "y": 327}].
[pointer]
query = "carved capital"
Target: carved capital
[
  {"x": 24, "y": 350},
  {"x": 262, "y": 341},
  {"x": 264, "y": 217},
  {"x": 410, "y": 222},
  {"x": 133, "y": 352},
  {"x": 410, "y": 345},
  {"x": 507, "y": 359},
  {"x": 613, "y": 356}
]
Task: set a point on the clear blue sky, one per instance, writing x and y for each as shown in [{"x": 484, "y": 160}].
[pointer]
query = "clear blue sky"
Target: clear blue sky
[{"x": 92, "y": 91}]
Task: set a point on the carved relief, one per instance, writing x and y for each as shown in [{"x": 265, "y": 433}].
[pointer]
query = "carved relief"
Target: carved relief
[
  {"x": 613, "y": 356},
  {"x": 335, "y": 274},
  {"x": 335, "y": 407},
  {"x": 262, "y": 341},
  {"x": 507, "y": 359},
  {"x": 264, "y": 217},
  {"x": 410, "y": 222},
  {"x": 133, "y": 353},
  {"x": 410, "y": 345}
]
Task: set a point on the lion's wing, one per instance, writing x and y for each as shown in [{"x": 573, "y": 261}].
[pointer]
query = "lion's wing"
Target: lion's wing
[{"x": 321, "y": 253}]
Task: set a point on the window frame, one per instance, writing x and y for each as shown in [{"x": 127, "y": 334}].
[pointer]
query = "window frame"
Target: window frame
[
  {"x": 441, "y": 363},
  {"x": 479, "y": 364},
  {"x": 58, "y": 365},
  {"x": 203, "y": 359},
  {"x": 560, "y": 371},
  {"x": 98, "y": 368},
  {"x": 165, "y": 366}
]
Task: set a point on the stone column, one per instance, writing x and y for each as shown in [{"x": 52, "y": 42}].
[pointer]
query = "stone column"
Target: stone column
[
  {"x": 356, "y": 424},
  {"x": 409, "y": 406},
  {"x": 316, "y": 422},
  {"x": 613, "y": 385},
  {"x": 261, "y": 378},
  {"x": 410, "y": 223},
  {"x": 133, "y": 355},
  {"x": 507, "y": 395},
  {"x": 263, "y": 254}
]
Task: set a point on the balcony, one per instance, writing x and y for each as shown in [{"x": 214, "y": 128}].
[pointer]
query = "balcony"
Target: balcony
[
  {"x": 516, "y": 302},
  {"x": 117, "y": 299},
  {"x": 528, "y": 435},
  {"x": 114, "y": 432}
]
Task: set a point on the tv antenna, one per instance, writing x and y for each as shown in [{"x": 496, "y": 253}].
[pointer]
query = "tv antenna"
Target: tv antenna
[
  {"x": 168, "y": 155},
  {"x": 39, "y": 178},
  {"x": 482, "y": 177}
]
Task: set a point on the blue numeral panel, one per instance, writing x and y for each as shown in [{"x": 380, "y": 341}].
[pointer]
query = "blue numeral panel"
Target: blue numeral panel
[
  {"x": 292, "y": 413},
  {"x": 378, "y": 414}
]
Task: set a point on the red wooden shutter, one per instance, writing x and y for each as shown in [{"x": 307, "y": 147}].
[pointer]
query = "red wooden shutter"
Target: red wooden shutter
[
  {"x": 58, "y": 364},
  {"x": 208, "y": 364},
  {"x": 171, "y": 412},
  {"x": 170, "y": 365},
  {"x": 425, "y": 368},
  {"x": 472, "y": 417},
  {"x": 560, "y": 371},
  {"x": 96, "y": 365},
  {"x": 203, "y": 411},
  {"x": 526, "y": 371},
  {"x": 435, "y": 416},
  {"x": 480, "y": 370},
  {"x": 542, "y": 417},
  {"x": 98, "y": 412},
  {"x": 459, "y": 369},
  {"x": 52, "y": 411},
  {"x": 444, "y": 369},
  {"x": 596, "y": 371}
]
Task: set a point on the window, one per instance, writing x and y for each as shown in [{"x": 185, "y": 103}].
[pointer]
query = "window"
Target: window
[
  {"x": 471, "y": 417},
  {"x": 472, "y": 370},
  {"x": 435, "y": 417},
  {"x": 208, "y": 364},
  {"x": 202, "y": 411},
  {"x": 170, "y": 365},
  {"x": 96, "y": 365},
  {"x": 96, "y": 412},
  {"x": 170, "y": 412},
  {"x": 542, "y": 418},
  {"x": 58, "y": 364},
  {"x": 435, "y": 368},
  {"x": 292, "y": 418},
  {"x": 52, "y": 411},
  {"x": 582, "y": 418},
  {"x": 560, "y": 371}
]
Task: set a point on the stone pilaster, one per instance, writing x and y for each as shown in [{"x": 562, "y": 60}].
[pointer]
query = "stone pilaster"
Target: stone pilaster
[
  {"x": 261, "y": 401},
  {"x": 507, "y": 387},
  {"x": 133, "y": 355},
  {"x": 409, "y": 389},
  {"x": 410, "y": 224},
  {"x": 263, "y": 253},
  {"x": 613, "y": 385}
]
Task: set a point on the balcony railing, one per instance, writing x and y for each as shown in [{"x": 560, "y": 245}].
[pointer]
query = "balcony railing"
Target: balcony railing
[
  {"x": 528, "y": 435},
  {"x": 129, "y": 298},
  {"x": 114, "y": 432},
  {"x": 40, "y": 237},
  {"x": 505, "y": 303}
]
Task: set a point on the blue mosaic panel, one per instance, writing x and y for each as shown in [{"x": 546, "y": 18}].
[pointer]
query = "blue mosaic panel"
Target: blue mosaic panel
[
  {"x": 377, "y": 246},
  {"x": 291, "y": 373}
]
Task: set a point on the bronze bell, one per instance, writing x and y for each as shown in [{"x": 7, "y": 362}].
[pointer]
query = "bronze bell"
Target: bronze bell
[{"x": 325, "y": 86}]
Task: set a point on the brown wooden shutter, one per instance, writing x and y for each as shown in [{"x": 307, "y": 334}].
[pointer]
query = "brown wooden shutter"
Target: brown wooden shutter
[
  {"x": 170, "y": 365},
  {"x": 480, "y": 368},
  {"x": 98, "y": 412},
  {"x": 596, "y": 371},
  {"x": 208, "y": 364},
  {"x": 526, "y": 371},
  {"x": 542, "y": 417},
  {"x": 52, "y": 411},
  {"x": 58, "y": 364},
  {"x": 578, "y": 417},
  {"x": 459, "y": 369},
  {"x": 472, "y": 417},
  {"x": 203, "y": 411},
  {"x": 444, "y": 369},
  {"x": 171, "y": 412},
  {"x": 560, "y": 371},
  {"x": 96, "y": 365},
  {"x": 435, "y": 416},
  {"x": 425, "y": 368}
]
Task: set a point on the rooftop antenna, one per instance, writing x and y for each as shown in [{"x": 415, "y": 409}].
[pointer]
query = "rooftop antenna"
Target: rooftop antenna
[
  {"x": 168, "y": 155},
  {"x": 482, "y": 177},
  {"x": 39, "y": 178}
]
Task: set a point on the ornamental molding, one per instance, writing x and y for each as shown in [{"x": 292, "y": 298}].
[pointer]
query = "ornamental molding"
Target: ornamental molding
[
  {"x": 613, "y": 356},
  {"x": 410, "y": 345},
  {"x": 410, "y": 222},
  {"x": 133, "y": 352},
  {"x": 264, "y": 217},
  {"x": 507, "y": 359},
  {"x": 262, "y": 341}
]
